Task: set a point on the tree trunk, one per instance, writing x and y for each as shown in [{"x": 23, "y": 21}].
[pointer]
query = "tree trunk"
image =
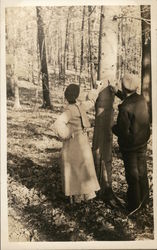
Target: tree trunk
[
  {"x": 59, "y": 57},
  {"x": 100, "y": 42},
  {"x": 9, "y": 79},
  {"x": 89, "y": 49},
  {"x": 69, "y": 48},
  {"x": 119, "y": 54},
  {"x": 66, "y": 44},
  {"x": 74, "y": 51},
  {"x": 44, "y": 70},
  {"x": 107, "y": 67},
  {"x": 146, "y": 59},
  {"x": 82, "y": 43},
  {"x": 74, "y": 48},
  {"x": 17, "y": 105},
  {"x": 10, "y": 87}
]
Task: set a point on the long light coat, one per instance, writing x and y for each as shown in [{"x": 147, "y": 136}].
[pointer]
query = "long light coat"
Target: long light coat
[{"x": 77, "y": 168}]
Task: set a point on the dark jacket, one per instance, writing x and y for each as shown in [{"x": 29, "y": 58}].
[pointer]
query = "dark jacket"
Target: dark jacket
[{"x": 132, "y": 128}]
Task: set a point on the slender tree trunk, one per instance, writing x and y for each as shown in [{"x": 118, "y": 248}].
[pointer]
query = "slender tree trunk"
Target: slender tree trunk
[
  {"x": 89, "y": 49},
  {"x": 146, "y": 59},
  {"x": 102, "y": 138},
  {"x": 75, "y": 52},
  {"x": 118, "y": 55},
  {"x": 10, "y": 87},
  {"x": 10, "y": 79},
  {"x": 99, "y": 42},
  {"x": 68, "y": 64},
  {"x": 66, "y": 44},
  {"x": 32, "y": 71},
  {"x": 121, "y": 55},
  {"x": 59, "y": 56},
  {"x": 17, "y": 105},
  {"x": 44, "y": 70},
  {"x": 74, "y": 48},
  {"x": 82, "y": 43}
]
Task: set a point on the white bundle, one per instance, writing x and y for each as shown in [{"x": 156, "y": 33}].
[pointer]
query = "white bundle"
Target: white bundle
[{"x": 62, "y": 129}]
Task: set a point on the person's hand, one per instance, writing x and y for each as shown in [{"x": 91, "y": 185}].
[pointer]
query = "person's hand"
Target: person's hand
[
  {"x": 99, "y": 85},
  {"x": 114, "y": 88}
]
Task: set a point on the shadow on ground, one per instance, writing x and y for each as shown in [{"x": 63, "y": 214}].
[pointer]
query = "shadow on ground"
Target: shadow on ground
[{"x": 92, "y": 218}]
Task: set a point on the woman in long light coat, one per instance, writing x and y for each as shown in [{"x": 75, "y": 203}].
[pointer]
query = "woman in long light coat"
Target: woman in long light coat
[{"x": 79, "y": 180}]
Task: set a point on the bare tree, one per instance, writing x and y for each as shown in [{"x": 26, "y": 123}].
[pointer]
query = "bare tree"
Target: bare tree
[
  {"x": 44, "y": 70},
  {"x": 146, "y": 57},
  {"x": 17, "y": 105},
  {"x": 90, "y": 61},
  {"x": 82, "y": 43},
  {"x": 75, "y": 52},
  {"x": 102, "y": 139},
  {"x": 100, "y": 41},
  {"x": 66, "y": 43}
]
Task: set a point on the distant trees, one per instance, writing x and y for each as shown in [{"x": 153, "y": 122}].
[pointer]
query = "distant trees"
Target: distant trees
[
  {"x": 129, "y": 41},
  {"x": 20, "y": 46},
  {"x": 63, "y": 43}
]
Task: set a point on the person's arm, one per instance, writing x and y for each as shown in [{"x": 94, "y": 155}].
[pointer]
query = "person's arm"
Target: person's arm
[
  {"x": 91, "y": 99},
  {"x": 117, "y": 91},
  {"x": 120, "y": 94},
  {"x": 93, "y": 95},
  {"x": 122, "y": 128},
  {"x": 61, "y": 126}
]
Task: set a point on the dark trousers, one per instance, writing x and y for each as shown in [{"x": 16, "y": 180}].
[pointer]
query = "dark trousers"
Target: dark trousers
[{"x": 136, "y": 177}]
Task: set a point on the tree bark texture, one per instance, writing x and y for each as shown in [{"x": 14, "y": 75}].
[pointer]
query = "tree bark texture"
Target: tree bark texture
[
  {"x": 10, "y": 83},
  {"x": 90, "y": 49},
  {"x": 100, "y": 41},
  {"x": 42, "y": 50},
  {"x": 82, "y": 43},
  {"x": 102, "y": 138},
  {"x": 66, "y": 44},
  {"x": 17, "y": 105},
  {"x": 146, "y": 88},
  {"x": 59, "y": 56},
  {"x": 74, "y": 49}
]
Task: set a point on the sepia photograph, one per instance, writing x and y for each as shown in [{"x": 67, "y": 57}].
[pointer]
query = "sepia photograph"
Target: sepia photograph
[{"x": 78, "y": 141}]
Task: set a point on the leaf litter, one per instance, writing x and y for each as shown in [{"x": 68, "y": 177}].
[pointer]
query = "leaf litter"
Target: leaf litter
[{"x": 37, "y": 209}]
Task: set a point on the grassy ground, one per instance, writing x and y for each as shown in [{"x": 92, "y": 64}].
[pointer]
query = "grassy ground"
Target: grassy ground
[{"x": 37, "y": 209}]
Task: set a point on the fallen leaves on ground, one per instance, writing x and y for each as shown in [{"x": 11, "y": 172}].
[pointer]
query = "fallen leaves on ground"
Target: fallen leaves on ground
[{"x": 37, "y": 209}]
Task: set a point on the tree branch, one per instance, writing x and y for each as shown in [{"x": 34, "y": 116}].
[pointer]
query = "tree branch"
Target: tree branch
[
  {"x": 92, "y": 11},
  {"x": 148, "y": 21},
  {"x": 88, "y": 16}
]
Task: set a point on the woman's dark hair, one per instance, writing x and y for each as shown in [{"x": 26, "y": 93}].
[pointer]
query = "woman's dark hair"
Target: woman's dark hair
[{"x": 71, "y": 93}]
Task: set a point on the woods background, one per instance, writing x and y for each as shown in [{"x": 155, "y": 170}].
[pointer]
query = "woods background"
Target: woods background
[
  {"x": 49, "y": 44},
  {"x": 46, "y": 49}
]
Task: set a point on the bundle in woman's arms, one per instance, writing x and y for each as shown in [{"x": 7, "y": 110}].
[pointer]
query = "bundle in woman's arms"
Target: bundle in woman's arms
[{"x": 63, "y": 130}]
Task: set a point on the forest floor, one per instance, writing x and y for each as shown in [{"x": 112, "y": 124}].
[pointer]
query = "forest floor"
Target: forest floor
[{"x": 37, "y": 209}]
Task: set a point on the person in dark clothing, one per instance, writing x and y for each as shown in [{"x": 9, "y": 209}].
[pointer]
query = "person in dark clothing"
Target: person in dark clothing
[
  {"x": 102, "y": 144},
  {"x": 133, "y": 131}
]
